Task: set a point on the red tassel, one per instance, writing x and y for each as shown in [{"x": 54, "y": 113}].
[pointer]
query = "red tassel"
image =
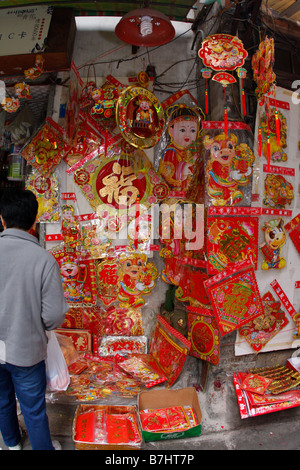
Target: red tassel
[
  {"x": 268, "y": 152},
  {"x": 225, "y": 114},
  {"x": 225, "y": 121},
  {"x": 206, "y": 101},
  {"x": 259, "y": 141},
  {"x": 244, "y": 103},
  {"x": 277, "y": 121}
]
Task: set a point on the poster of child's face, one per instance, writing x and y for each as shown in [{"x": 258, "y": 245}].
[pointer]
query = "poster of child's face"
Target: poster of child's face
[{"x": 184, "y": 132}]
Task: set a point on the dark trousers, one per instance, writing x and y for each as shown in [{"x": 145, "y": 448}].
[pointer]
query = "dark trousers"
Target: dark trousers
[{"x": 29, "y": 385}]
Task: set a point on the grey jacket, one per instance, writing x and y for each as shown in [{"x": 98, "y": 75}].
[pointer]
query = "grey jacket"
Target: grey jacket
[{"x": 31, "y": 298}]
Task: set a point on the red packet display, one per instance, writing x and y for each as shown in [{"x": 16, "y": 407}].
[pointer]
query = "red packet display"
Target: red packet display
[
  {"x": 78, "y": 278},
  {"x": 259, "y": 331},
  {"x": 154, "y": 420},
  {"x": 46, "y": 148},
  {"x": 122, "y": 321},
  {"x": 81, "y": 339},
  {"x": 143, "y": 368},
  {"x": 235, "y": 297},
  {"x": 169, "y": 348},
  {"x": 256, "y": 383},
  {"x": 230, "y": 240},
  {"x": 117, "y": 431},
  {"x": 204, "y": 335},
  {"x": 85, "y": 426},
  {"x": 122, "y": 345}
]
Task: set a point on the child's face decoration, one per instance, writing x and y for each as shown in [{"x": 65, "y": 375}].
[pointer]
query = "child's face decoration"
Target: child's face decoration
[{"x": 184, "y": 132}]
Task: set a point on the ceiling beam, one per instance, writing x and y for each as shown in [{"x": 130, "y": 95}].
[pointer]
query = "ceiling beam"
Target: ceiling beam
[{"x": 291, "y": 10}]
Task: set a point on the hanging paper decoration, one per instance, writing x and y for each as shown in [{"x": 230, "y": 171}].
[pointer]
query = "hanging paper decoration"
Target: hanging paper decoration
[
  {"x": 116, "y": 184},
  {"x": 22, "y": 90},
  {"x": 87, "y": 139},
  {"x": 169, "y": 349},
  {"x": 10, "y": 105},
  {"x": 204, "y": 335},
  {"x": 105, "y": 100},
  {"x": 235, "y": 297},
  {"x": 73, "y": 105},
  {"x": 275, "y": 238},
  {"x": 230, "y": 240},
  {"x": 262, "y": 329},
  {"x": 118, "y": 321},
  {"x": 46, "y": 148},
  {"x": 278, "y": 191},
  {"x": 273, "y": 124},
  {"x": 94, "y": 236},
  {"x": 293, "y": 229},
  {"x": 262, "y": 66},
  {"x": 78, "y": 278},
  {"x": 206, "y": 73},
  {"x": 242, "y": 74},
  {"x": 222, "y": 52},
  {"x": 46, "y": 190},
  {"x": 228, "y": 170},
  {"x": 225, "y": 79},
  {"x": 107, "y": 280},
  {"x": 179, "y": 156},
  {"x": 37, "y": 70},
  {"x": 136, "y": 278},
  {"x": 140, "y": 117}
]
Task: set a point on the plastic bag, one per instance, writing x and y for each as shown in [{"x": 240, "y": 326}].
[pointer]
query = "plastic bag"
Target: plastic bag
[{"x": 57, "y": 373}]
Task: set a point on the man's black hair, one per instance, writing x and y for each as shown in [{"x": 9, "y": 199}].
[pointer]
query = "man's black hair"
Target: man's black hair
[{"x": 18, "y": 208}]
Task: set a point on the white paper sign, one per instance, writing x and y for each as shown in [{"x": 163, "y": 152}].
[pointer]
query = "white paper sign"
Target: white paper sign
[{"x": 23, "y": 30}]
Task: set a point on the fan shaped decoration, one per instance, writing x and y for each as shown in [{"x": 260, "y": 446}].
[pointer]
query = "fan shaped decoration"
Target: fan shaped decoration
[{"x": 223, "y": 53}]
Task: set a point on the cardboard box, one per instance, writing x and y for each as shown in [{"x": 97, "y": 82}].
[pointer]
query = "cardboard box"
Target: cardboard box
[
  {"x": 156, "y": 399},
  {"x": 110, "y": 410}
]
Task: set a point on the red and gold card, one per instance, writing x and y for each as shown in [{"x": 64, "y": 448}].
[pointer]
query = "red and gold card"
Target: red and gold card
[
  {"x": 169, "y": 348},
  {"x": 256, "y": 383},
  {"x": 85, "y": 427},
  {"x": 259, "y": 331},
  {"x": 204, "y": 335},
  {"x": 122, "y": 321},
  {"x": 235, "y": 297},
  {"x": 154, "y": 420},
  {"x": 117, "y": 432},
  {"x": 82, "y": 339},
  {"x": 230, "y": 240}
]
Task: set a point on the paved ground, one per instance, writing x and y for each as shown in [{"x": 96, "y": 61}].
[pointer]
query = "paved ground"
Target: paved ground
[{"x": 222, "y": 427}]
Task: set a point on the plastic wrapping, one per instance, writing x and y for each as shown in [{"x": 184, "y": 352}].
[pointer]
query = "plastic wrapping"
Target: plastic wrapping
[
  {"x": 106, "y": 427},
  {"x": 229, "y": 163},
  {"x": 46, "y": 148},
  {"x": 46, "y": 190}
]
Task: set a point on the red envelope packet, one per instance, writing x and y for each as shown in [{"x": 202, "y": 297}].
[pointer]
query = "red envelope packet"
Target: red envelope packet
[
  {"x": 117, "y": 431},
  {"x": 256, "y": 383},
  {"x": 85, "y": 427}
]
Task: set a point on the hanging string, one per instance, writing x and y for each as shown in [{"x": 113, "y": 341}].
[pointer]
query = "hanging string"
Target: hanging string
[
  {"x": 225, "y": 113},
  {"x": 206, "y": 97},
  {"x": 244, "y": 108}
]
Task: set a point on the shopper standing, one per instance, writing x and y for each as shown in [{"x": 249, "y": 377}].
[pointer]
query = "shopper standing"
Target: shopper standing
[{"x": 31, "y": 302}]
